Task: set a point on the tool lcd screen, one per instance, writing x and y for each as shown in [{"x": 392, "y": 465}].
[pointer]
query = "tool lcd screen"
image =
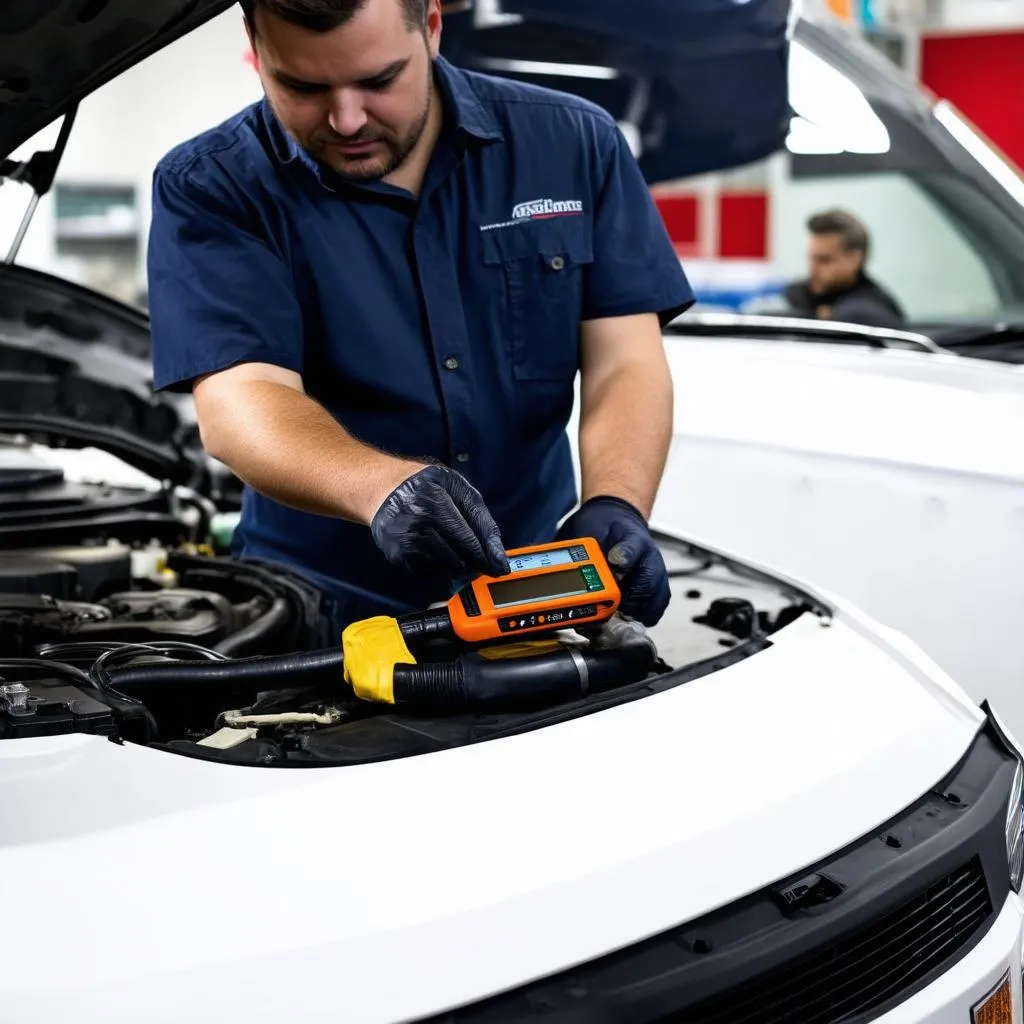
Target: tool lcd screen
[
  {"x": 540, "y": 560},
  {"x": 546, "y": 587}
]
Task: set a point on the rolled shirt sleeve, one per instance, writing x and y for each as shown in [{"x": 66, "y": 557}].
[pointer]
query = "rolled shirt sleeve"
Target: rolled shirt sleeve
[
  {"x": 635, "y": 267},
  {"x": 219, "y": 293}
]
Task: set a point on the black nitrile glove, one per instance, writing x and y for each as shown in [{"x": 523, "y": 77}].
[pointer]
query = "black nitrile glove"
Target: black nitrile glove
[
  {"x": 622, "y": 533},
  {"x": 436, "y": 521}
]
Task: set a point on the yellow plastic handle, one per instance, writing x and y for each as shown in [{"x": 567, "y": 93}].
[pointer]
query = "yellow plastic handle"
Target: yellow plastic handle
[{"x": 372, "y": 648}]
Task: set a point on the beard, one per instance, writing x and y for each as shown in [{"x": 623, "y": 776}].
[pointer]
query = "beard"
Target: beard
[{"x": 357, "y": 168}]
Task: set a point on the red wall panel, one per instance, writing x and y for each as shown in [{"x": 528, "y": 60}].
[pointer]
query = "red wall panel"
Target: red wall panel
[
  {"x": 681, "y": 214},
  {"x": 983, "y": 75},
  {"x": 743, "y": 225}
]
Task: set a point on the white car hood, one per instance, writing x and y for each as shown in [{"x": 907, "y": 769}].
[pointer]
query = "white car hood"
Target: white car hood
[
  {"x": 139, "y": 885},
  {"x": 942, "y": 411}
]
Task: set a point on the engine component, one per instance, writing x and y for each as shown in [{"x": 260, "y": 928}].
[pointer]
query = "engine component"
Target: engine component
[
  {"x": 236, "y": 608},
  {"x": 198, "y": 616},
  {"x": 51, "y": 707},
  {"x": 81, "y": 572},
  {"x": 100, "y": 568},
  {"x": 38, "y": 503},
  {"x": 29, "y": 620},
  {"x": 733, "y": 615},
  {"x": 28, "y": 574}
]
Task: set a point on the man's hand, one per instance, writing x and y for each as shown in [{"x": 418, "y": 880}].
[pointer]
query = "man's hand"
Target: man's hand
[
  {"x": 622, "y": 533},
  {"x": 435, "y": 520},
  {"x": 258, "y": 420}
]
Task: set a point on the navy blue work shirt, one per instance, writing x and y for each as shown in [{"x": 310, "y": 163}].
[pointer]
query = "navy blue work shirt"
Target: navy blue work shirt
[{"x": 443, "y": 327}]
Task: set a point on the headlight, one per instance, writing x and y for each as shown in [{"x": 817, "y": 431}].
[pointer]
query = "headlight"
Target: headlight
[{"x": 1015, "y": 829}]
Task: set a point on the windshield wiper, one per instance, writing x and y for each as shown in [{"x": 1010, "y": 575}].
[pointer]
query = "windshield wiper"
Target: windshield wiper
[
  {"x": 38, "y": 172},
  {"x": 792, "y": 328},
  {"x": 1002, "y": 342}
]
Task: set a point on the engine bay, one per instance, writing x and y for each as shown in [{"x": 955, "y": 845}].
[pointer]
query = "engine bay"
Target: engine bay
[{"x": 120, "y": 618}]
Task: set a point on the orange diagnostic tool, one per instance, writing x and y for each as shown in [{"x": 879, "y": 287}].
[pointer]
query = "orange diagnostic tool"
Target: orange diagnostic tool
[{"x": 550, "y": 586}]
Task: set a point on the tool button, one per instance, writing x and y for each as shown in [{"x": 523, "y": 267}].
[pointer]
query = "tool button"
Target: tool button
[
  {"x": 462, "y": 457},
  {"x": 451, "y": 363},
  {"x": 557, "y": 263}
]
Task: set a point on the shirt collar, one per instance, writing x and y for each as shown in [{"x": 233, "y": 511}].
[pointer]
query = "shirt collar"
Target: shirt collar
[
  {"x": 463, "y": 105},
  {"x": 462, "y": 108}
]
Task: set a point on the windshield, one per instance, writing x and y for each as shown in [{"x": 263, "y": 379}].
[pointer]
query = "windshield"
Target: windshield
[
  {"x": 944, "y": 210},
  {"x": 939, "y": 244}
]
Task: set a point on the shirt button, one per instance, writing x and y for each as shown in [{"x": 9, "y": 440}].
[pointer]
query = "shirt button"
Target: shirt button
[
  {"x": 462, "y": 457},
  {"x": 451, "y": 363},
  {"x": 557, "y": 263}
]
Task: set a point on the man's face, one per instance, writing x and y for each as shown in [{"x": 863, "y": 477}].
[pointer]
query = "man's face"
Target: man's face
[
  {"x": 355, "y": 98},
  {"x": 831, "y": 266}
]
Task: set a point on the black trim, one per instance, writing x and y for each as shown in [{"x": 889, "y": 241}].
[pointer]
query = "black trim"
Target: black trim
[
  {"x": 469, "y": 602},
  {"x": 686, "y": 973}
]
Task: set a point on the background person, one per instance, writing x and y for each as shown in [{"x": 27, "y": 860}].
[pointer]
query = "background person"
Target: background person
[{"x": 837, "y": 286}]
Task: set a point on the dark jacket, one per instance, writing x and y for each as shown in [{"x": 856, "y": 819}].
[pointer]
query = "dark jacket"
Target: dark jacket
[{"x": 865, "y": 302}]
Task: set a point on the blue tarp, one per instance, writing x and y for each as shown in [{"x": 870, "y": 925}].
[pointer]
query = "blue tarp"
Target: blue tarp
[{"x": 713, "y": 71}]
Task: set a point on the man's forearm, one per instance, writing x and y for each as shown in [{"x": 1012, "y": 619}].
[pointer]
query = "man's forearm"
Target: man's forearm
[
  {"x": 625, "y": 431},
  {"x": 285, "y": 445}
]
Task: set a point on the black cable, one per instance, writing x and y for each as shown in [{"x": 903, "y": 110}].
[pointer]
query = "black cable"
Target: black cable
[
  {"x": 100, "y": 672},
  {"x": 258, "y": 631},
  {"x": 58, "y": 668},
  {"x": 263, "y": 670}
]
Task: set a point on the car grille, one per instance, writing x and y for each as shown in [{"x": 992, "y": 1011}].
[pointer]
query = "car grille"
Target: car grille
[
  {"x": 864, "y": 970},
  {"x": 841, "y": 941}
]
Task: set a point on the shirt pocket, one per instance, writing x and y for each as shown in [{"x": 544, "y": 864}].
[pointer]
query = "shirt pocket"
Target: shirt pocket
[{"x": 543, "y": 264}]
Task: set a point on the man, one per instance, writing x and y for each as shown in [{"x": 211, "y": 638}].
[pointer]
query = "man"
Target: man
[
  {"x": 838, "y": 287},
  {"x": 379, "y": 284}
]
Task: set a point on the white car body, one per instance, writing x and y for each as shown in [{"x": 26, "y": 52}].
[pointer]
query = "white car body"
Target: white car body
[
  {"x": 892, "y": 477},
  {"x": 138, "y": 885}
]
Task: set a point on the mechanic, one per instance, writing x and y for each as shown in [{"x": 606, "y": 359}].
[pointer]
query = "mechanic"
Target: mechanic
[
  {"x": 838, "y": 286},
  {"x": 379, "y": 283}
]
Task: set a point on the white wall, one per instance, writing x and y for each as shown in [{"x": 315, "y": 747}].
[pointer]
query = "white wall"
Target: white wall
[
  {"x": 979, "y": 14},
  {"x": 123, "y": 129}
]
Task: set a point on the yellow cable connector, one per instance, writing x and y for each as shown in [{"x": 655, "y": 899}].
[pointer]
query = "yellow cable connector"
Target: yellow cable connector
[{"x": 372, "y": 648}]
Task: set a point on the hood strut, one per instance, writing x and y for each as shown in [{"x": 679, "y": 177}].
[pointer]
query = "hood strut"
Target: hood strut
[{"x": 39, "y": 172}]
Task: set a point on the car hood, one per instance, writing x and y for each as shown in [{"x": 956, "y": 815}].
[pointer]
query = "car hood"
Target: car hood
[
  {"x": 55, "y": 52},
  {"x": 74, "y": 370},
  {"x": 701, "y": 83},
  {"x": 664, "y": 56},
  {"x": 395, "y": 890}
]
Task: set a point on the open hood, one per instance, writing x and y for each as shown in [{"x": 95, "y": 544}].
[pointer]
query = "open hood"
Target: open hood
[
  {"x": 710, "y": 72},
  {"x": 55, "y": 52},
  {"x": 75, "y": 372},
  {"x": 701, "y": 85}
]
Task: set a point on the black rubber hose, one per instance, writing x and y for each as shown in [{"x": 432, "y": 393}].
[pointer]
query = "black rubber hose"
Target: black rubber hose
[
  {"x": 265, "y": 671},
  {"x": 477, "y": 682},
  {"x": 257, "y": 632}
]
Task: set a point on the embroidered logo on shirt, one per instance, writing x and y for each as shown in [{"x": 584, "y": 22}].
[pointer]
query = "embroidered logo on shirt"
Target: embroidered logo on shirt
[{"x": 539, "y": 209}]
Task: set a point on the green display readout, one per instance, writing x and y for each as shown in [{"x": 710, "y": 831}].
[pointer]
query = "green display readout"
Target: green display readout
[{"x": 545, "y": 586}]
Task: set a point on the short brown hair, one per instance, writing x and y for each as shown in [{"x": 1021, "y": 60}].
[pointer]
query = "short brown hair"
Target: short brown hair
[
  {"x": 326, "y": 15},
  {"x": 850, "y": 230}
]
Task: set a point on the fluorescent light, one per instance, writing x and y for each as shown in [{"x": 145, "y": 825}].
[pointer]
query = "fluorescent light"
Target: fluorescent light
[
  {"x": 808, "y": 139},
  {"x": 488, "y": 14},
  {"x": 543, "y": 67},
  {"x": 948, "y": 117},
  {"x": 828, "y": 101}
]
